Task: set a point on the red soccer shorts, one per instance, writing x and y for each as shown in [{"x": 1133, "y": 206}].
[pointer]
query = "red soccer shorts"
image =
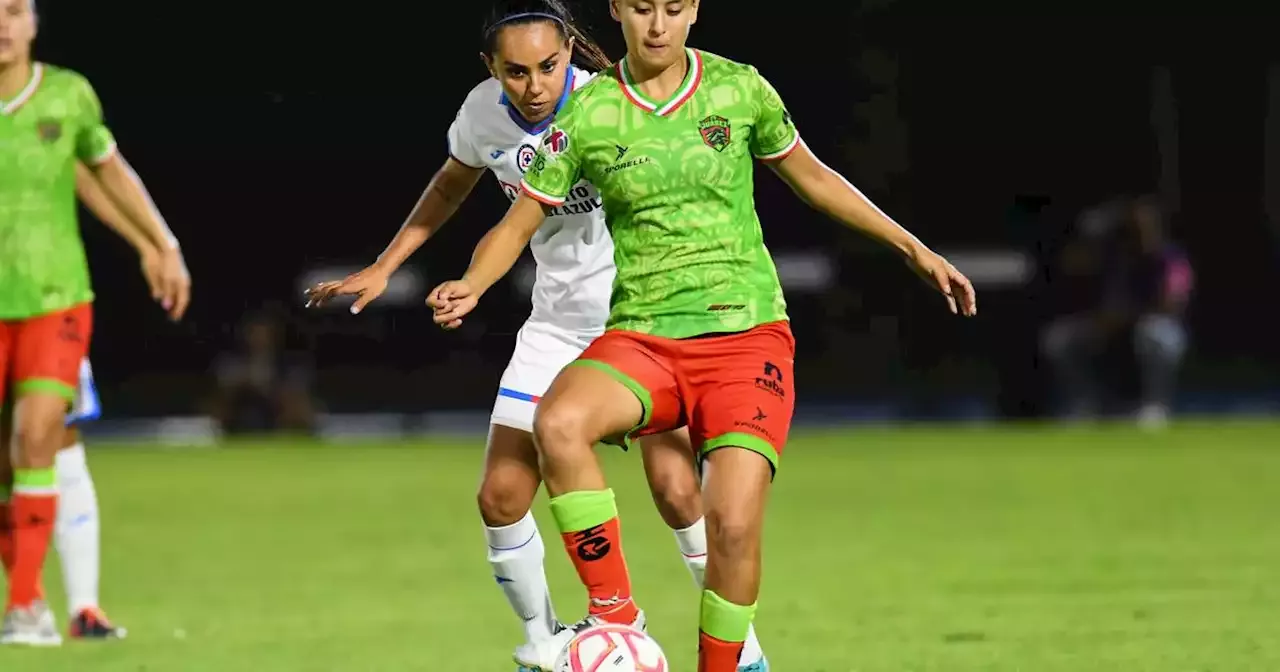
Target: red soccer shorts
[
  {"x": 731, "y": 389},
  {"x": 42, "y": 354}
]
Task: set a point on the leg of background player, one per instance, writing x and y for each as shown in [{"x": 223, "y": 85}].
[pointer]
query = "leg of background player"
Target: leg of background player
[
  {"x": 77, "y": 539},
  {"x": 516, "y": 551},
  {"x": 672, "y": 470}
]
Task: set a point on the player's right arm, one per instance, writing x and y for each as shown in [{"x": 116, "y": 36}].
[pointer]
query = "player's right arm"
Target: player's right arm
[
  {"x": 96, "y": 200},
  {"x": 555, "y": 170},
  {"x": 448, "y": 189}
]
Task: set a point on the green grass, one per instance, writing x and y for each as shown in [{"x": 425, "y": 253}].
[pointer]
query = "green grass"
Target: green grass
[{"x": 888, "y": 550}]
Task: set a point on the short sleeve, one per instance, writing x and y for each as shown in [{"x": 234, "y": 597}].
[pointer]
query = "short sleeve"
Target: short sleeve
[
  {"x": 462, "y": 141},
  {"x": 774, "y": 136},
  {"x": 558, "y": 165},
  {"x": 94, "y": 141}
]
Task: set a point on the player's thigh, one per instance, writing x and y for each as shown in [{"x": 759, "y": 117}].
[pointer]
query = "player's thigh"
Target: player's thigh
[
  {"x": 618, "y": 388},
  {"x": 47, "y": 352},
  {"x": 743, "y": 392},
  {"x": 672, "y": 471}
]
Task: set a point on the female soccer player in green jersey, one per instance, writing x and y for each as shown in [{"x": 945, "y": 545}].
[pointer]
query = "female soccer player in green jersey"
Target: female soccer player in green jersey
[
  {"x": 50, "y": 120},
  {"x": 698, "y": 328}
]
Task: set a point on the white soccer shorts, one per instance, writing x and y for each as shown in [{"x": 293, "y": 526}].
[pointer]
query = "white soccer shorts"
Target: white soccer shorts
[{"x": 542, "y": 350}]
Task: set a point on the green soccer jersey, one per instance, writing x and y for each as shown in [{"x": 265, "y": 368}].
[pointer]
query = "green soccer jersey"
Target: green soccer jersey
[
  {"x": 55, "y": 121},
  {"x": 677, "y": 185}
]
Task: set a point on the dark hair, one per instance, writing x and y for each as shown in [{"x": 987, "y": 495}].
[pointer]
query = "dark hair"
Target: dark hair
[{"x": 522, "y": 12}]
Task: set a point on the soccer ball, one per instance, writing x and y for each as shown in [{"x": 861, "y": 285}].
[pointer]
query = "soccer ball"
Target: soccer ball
[{"x": 612, "y": 648}]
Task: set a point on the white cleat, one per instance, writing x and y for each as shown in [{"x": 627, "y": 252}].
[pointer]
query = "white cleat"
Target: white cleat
[
  {"x": 30, "y": 626},
  {"x": 541, "y": 656}
]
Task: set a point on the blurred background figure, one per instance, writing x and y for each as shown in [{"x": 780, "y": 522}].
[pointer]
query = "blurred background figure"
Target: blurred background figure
[
  {"x": 1126, "y": 286},
  {"x": 261, "y": 386}
]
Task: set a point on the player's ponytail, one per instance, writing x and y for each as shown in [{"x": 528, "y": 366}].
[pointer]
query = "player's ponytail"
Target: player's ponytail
[{"x": 586, "y": 52}]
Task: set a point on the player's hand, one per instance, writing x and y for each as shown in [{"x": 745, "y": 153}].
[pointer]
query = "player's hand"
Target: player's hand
[
  {"x": 366, "y": 286},
  {"x": 175, "y": 282},
  {"x": 938, "y": 272},
  {"x": 451, "y": 302}
]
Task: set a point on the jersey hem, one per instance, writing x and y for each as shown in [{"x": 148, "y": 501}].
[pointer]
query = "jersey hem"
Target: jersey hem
[
  {"x": 678, "y": 335},
  {"x": 31, "y": 315}
]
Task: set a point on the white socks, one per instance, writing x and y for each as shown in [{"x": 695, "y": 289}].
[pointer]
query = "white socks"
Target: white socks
[
  {"x": 76, "y": 535},
  {"x": 516, "y": 554},
  {"x": 692, "y": 541}
]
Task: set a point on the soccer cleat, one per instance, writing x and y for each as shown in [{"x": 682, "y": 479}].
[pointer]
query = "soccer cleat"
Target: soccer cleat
[
  {"x": 30, "y": 626},
  {"x": 761, "y": 665},
  {"x": 541, "y": 656},
  {"x": 93, "y": 624}
]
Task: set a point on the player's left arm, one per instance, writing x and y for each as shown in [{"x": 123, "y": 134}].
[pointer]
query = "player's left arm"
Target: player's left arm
[
  {"x": 92, "y": 195},
  {"x": 96, "y": 148},
  {"x": 777, "y": 142}
]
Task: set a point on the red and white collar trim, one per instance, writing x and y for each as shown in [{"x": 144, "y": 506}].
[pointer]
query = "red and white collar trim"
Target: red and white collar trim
[
  {"x": 37, "y": 74},
  {"x": 682, "y": 95}
]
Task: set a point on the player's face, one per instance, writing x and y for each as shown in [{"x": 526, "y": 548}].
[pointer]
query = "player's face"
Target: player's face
[
  {"x": 530, "y": 60},
  {"x": 17, "y": 30},
  {"x": 655, "y": 30}
]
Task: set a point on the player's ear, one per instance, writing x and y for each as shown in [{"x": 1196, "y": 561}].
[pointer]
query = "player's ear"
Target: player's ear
[
  {"x": 613, "y": 10},
  {"x": 569, "y": 45},
  {"x": 488, "y": 64}
]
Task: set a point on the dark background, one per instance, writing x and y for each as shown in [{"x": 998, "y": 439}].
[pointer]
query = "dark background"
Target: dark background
[{"x": 282, "y": 139}]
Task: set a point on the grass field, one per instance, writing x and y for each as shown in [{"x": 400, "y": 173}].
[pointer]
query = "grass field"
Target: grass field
[{"x": 888, "y": 550}]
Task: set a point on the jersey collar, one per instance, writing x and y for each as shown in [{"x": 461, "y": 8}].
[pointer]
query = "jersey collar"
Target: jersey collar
[
  {"x": 538, "y": 128},
  {"x": 692, "y": 78},
  {"x": 37, "y": 74}
]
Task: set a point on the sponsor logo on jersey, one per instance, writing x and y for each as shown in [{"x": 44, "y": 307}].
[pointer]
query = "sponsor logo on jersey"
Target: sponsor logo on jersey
[
  {"x": 525, "y": 156},
  {"x": 556, "y": 141},
  {"x": 49, "y": 129},
  {"x": 786, "y": 118},
  {"x": 622, "y": 151},
  {"x": 715, "y": 132}
]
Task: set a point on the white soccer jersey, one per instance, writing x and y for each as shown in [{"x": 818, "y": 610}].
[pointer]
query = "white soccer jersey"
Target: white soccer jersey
[{"x": 573, "y": 250}]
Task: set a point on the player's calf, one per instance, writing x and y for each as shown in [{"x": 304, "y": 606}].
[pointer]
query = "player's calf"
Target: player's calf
[
  {"x": 735, "y": 492},
  {"x": 37, "y": 436}
]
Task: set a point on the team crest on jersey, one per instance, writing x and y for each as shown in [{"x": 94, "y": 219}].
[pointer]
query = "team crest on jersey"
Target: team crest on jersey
[
  {"x": 49, "y": 129},
  {"x": 556, "y": 141},
  {"x": 524, "y": 157},
  {"x": 715, "y": 132}
]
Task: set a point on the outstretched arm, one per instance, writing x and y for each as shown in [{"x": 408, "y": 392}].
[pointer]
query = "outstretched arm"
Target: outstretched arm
[
  {"x": 494, "y": 256},
  {"x": 448, "y": 189},
  {"x": 828, "y": 192}
]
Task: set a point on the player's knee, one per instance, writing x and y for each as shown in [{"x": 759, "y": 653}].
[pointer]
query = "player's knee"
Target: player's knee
[
  {"x": 504, "y": 500},
  {"x": 731, "y": 532},
  {"x": 561, "y": 429},
  {"x": 37, "y": 439},
  {"x": 678, "y": 497}
]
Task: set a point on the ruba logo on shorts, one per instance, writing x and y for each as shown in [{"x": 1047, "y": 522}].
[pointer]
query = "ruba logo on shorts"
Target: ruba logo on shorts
[
  {"x": 50, "y": 130},
  {"x": 715, "y": 132},
  {"x": 771, "y": 380},
  {"x": 592, "y": 544}
]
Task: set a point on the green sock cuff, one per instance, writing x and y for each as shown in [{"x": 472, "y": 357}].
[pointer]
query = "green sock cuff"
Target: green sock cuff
[
  {"x": 34, "y": 478},
  {"x": 724, "y": 620},
  {"x": 583, "y": 510}
]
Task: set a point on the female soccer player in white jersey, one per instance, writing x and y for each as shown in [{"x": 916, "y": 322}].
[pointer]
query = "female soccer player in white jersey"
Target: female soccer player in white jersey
[{"x": 528, "y": 48}]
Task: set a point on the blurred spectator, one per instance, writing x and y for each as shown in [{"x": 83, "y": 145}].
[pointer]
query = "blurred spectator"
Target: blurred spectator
[
  {"x": 1133, "y": 283},
  {"x": 261, "y": 387}
]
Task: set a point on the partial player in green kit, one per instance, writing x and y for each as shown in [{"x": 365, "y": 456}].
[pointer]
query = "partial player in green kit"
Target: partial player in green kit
[
  {"x": 698, "y": 330},
  {"x": 50, "y": 119}
]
